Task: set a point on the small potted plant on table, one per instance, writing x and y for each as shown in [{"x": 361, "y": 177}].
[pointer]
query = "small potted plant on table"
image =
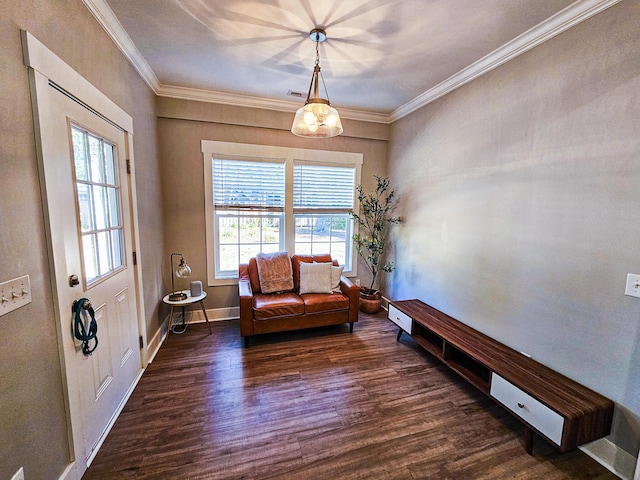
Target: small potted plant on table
[{"x": 370, "y": 241}]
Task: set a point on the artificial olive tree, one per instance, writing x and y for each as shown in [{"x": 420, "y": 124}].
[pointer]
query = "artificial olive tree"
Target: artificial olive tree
[{"x": 373, "y": 220}]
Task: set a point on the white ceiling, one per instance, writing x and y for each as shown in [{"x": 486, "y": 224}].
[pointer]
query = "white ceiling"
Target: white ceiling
[{"x": 382, "y": 58}]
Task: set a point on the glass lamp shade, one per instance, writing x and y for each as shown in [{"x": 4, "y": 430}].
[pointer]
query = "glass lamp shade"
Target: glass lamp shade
[
  {"x": 317, "y": 119},
  {"x": 183, "y": 270}
]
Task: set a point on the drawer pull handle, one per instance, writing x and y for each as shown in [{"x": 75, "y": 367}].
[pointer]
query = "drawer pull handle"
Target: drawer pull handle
[{"x": 521, "y": 405}]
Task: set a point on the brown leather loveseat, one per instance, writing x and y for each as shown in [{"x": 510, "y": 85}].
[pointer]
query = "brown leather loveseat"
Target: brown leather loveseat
[{"x": 302, "y": 301}]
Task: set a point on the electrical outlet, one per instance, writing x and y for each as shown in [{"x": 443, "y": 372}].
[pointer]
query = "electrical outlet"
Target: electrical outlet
[
  {"x": 14, "y": 294},
  {"x": 633, "y": 285},
  {"x": 19, "y": 475}
]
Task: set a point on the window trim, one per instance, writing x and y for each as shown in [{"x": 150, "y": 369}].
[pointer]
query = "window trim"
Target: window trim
[{"x": 247, "y": 151}]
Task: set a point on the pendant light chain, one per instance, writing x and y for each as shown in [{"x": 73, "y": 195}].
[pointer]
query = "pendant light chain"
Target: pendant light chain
[{"x": 326, "y": 92}]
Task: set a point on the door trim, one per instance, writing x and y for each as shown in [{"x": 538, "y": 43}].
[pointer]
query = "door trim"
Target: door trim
[{"x": 45, "y": 68}]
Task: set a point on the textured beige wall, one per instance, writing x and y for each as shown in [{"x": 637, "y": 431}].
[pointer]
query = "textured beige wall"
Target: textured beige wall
[
  {"x": 33, "y": 428},
  {"x": 519, "y": 195},
  {"x": 183, "y": 170}
]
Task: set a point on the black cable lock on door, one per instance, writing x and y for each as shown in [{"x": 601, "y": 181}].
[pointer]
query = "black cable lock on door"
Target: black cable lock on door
[{"x": 79, "y": 329}]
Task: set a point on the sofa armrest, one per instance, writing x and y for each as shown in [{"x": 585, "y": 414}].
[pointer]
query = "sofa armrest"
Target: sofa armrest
[
  {"x": 352, "y": 291},
  {"x": 244, "y": 288},
  {"x": 245, "y": 295}
]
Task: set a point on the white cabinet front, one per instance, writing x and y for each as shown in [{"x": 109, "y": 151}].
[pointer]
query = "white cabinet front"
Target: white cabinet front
[
  {"x": 402, "y": 320},
  {"x": 538, "y": 415}
]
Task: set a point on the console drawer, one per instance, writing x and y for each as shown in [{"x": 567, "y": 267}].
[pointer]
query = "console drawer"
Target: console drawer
[
  {"x": 538, "y": 415},
  {"x": 402, "y": 320}
]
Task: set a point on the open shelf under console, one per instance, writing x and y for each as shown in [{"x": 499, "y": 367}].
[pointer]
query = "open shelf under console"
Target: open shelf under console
[{"x": 559, "y": 409}]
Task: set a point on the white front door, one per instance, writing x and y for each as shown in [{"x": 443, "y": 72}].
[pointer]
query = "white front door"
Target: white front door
[{"x": 87, "y": 200}]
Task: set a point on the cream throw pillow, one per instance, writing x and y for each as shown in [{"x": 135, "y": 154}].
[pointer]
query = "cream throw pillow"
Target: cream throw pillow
[
  {"x": 336, "y": 273},
  {"x": 315, "y": 278}
]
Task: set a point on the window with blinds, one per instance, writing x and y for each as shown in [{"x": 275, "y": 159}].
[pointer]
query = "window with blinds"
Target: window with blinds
[
  {"x": 323, "y": 196},
  {"x": 262, "y": 198},
  {"x": 249, "y": 200}
]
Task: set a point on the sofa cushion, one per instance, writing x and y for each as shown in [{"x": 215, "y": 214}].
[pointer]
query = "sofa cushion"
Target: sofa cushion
[
  {"x": 323, "y": 302},
  {"x": 270, "y": 305},
  {"x": 274, "y": 270},
  {"x": 297, "y": 259},
  {"x": 315, "y": 278}
]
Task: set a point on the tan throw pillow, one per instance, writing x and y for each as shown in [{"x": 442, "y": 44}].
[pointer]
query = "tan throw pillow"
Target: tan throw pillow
[
  {"x": 275, "y": 272},
  {"x": 336, "y": 272},
  {"x": 315, "y": 278}
]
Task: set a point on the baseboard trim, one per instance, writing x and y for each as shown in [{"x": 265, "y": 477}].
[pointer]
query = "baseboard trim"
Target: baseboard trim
[
  {"x": 612, "y": 457},
  {"x": 156, "y": 342},
  {"x": 68, "y": 472},
  {"x": 214, "y": 315}
]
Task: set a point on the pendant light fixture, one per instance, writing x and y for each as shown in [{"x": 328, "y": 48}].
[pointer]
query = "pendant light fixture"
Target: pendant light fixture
[{"x": 317, "y": 118}]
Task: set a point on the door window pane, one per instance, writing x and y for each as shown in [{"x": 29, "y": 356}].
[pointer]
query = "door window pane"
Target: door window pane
[
  {"x": 80, "y": 154},
  {"x": 103, "y": 252},
  {"x": 90, "y": 258},
  {"x": 114, "y": 207},
  {"x": 84, "y": 204},
  {"x": 99, "y": 204},
  {"x": 97, "y": 159},
  {"x": 117, "y": 253},
  {"x": 109, "y": 164}
]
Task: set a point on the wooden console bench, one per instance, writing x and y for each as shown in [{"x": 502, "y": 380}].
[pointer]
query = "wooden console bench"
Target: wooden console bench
[{"x": 561, "y": 410}]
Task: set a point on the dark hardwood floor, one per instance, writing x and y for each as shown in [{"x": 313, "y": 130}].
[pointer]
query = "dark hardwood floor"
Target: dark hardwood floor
[{"x": 317, "y": 404}]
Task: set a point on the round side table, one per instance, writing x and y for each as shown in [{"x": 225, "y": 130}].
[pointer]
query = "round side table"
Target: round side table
[{"x": 183, "y": 303}]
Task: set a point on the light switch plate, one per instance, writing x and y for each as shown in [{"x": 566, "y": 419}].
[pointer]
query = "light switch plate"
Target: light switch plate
[
  {"x": 19, "y": 475},
  {"x": 14, "y": 294},
  {"x": 633, "y": 285}
]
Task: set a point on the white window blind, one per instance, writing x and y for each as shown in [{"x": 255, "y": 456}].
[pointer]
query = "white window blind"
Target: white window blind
[
  {"x": 243, "y": 184},
  {"x": 319, "y": 187}
]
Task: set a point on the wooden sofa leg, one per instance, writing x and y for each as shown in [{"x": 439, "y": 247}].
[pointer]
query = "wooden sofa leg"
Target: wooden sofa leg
[
  {"x": 351, "y": 327},
  {"x": 246, "y": 342}
]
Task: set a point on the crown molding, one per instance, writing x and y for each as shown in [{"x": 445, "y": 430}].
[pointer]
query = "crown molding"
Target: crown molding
[
  {"x": 248, "y": 101},
  {"x": 563, "y": 20},
  {"x": 107, "y": 19}
]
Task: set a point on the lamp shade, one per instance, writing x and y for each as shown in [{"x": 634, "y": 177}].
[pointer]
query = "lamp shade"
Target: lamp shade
[
  {"x": 183, "y": 270},
  {"x": 317, "y": 119}
]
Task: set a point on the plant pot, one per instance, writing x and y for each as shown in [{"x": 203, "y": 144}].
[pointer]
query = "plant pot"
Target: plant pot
[{"x": 370, "y": 300}]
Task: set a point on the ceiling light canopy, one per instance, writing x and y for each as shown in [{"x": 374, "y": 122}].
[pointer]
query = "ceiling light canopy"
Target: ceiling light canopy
[{"x": 317, "y": 118}]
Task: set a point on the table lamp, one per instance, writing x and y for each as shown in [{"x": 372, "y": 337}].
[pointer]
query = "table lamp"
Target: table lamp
[{"x": 182, "y": 271}]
